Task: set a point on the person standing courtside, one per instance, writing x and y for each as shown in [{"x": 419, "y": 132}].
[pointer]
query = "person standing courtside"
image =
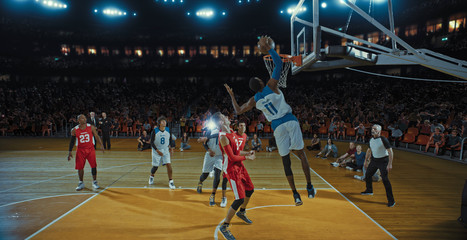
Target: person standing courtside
[
  {"x": 92, "y": 120},
  {"x": 105, "y": 125},
  {"x": 382, "y": 157}
]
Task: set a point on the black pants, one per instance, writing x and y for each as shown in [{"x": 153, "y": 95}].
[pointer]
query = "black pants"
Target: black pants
[
  {"x": 144, "y": 146},
  {"x": 443, "y": 150},
  {"x": 106, "y": 139},
  {"x": 354, "y": 166},
  {"x": 381, "y": 164},
  {"x": 314, "y": 147},
  {"x": 396, "y": 141},
  {"x": 191, "y": 130},
  {"x": 257, "y": 148}
]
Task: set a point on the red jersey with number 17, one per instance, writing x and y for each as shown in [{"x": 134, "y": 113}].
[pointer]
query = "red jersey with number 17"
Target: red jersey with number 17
[
  {"x": 84, "y": 138},
  {"x": 237, "y": 143}
]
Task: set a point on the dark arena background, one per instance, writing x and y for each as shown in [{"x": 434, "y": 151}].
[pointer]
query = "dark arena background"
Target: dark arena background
[{"x": 401, "y": 64}]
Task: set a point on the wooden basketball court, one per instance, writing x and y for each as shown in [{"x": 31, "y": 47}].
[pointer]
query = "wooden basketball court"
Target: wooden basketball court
[{"x": 38, "y": 200}]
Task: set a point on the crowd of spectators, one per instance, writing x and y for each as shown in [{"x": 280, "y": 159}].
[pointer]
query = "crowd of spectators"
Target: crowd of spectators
[{"x": 41, "y": 107}]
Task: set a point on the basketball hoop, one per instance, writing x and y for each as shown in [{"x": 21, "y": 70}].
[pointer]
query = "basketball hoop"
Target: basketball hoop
[{"x": 287, "y": 61}]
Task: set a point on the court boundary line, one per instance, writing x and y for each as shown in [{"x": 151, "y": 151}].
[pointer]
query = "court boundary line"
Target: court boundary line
[
  {"x": 73, "y": 174},
  {"x": 39, "y": 198},
  {"x": 79, "y": 205},
  {"x": 189, "y": 188},
  {"x": 364, "y": 213}
]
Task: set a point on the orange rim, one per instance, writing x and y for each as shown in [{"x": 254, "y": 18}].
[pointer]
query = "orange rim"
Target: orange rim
[{"x": 297, "y": 60}]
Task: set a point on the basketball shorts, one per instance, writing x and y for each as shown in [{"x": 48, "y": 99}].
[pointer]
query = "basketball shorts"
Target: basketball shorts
[
  {"x": 288, "y": 137},
  {"x": 158, "y": 160},
  {"x": 84, "y": 154},
  {"x": 212, "y": 162},
  {"x": 240, "y": 182}
]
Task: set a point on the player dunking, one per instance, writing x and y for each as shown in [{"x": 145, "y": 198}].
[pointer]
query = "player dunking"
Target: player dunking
[
  {"x": 232, "y": 145},
  {"x": 270, "y": 100},
  {"x": 84, "y": 132},
  {"x": 213, "y": 161},
  {"x": 160, "y": 140}
]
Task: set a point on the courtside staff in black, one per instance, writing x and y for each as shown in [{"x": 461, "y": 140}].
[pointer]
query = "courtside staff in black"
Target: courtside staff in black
[{"x": 381, "y": 155}]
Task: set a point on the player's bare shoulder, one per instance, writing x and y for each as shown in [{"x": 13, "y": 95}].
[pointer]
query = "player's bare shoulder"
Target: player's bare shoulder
[{"x": 224, "y": 139}]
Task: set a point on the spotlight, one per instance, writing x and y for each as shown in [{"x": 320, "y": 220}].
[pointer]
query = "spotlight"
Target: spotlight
[
  {"x": 95, "y": 10},
  {"x": 211, "y": 125},
  {"x": 324, "y": 5},
  {"x": 300, "y": 10},
  {"x": 205, "y": 13}
]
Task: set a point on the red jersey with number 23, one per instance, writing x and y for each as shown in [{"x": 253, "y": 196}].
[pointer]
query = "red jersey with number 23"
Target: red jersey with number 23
[
  {"x": 84, "y": 137},
  {"x": 232, "y": 162}
]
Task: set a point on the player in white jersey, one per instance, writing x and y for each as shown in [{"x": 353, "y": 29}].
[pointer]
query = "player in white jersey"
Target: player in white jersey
[
  {"x": 160, "y": 140},
  {"x": 270, "y": 100},
  {"x": 212, "y": 162}
]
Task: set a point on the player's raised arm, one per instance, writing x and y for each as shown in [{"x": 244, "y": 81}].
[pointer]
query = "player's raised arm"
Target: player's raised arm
[
  {"x": 240, "y": 109},
  {"x": 266, "y": 45}
]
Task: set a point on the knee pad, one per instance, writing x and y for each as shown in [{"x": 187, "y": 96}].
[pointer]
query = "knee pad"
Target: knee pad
[
  {"x": 237, "y": 203},
  {"x": 94, "y": 171},
  {"x": 154, "y": 169},
  {"x": 286, "y": 162},
  {"x": 249, "y": 193}
]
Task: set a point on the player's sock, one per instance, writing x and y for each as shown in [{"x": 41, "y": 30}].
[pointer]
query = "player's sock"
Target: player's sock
[{"x": 309, "y": 185}]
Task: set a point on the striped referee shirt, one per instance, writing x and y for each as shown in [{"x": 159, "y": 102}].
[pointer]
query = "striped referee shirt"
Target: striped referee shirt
[{"x": 379, "y": 147}]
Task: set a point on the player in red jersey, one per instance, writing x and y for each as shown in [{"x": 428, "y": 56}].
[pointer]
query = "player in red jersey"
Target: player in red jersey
[
  {"x": 232, "y": 145},
  {"x": 84, "y": 132}
]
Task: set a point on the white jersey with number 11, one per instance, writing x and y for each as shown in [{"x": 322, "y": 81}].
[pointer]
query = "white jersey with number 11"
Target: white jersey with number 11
[{"x": 271, "y": 104}]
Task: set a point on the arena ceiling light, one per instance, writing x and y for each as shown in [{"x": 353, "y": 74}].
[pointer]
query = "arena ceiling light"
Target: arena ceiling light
[
  {"x": 205, "y": 13},
  {"x": 52, "y": 4},
  {"x": 291, "y": 9},
  {"x": 112, "y": 12}
]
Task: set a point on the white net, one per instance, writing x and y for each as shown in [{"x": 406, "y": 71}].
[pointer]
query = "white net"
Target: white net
[{"x": 286, "y": 63}]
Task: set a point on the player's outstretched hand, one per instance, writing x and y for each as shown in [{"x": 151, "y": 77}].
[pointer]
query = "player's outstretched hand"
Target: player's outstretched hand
[
  {"x": 70, "y": 156},
  {"x": 102, "y": 148},
  {"x": 211, "y": 153},
  {"x": 229, "y": 90},
  {"x": 251, "y": 157}
]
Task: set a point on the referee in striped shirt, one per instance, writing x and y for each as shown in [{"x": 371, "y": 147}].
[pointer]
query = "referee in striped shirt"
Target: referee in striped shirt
[{"x": 382, "y": 156}]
